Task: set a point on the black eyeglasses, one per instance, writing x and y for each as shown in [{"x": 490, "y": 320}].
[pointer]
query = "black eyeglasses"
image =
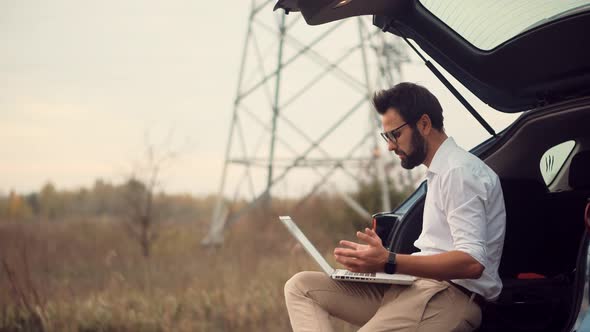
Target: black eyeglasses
[{"x": 392, "y": 135}]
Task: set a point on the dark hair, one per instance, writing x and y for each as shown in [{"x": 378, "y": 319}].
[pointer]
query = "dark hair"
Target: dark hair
[{"x": 411, "y": 100}]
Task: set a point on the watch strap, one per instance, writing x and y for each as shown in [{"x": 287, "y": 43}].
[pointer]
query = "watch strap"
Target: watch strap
[{"x": 391, "y": 264}]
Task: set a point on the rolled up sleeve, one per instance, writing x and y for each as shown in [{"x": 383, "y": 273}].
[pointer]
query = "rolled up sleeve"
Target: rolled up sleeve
[{"x": 465, "y": 203}]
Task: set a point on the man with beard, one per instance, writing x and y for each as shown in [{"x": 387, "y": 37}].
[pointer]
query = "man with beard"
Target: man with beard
[{"x": 459, "y": 248}]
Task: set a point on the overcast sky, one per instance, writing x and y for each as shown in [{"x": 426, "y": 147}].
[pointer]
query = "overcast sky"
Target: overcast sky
[{"x": 82, "y": 82}]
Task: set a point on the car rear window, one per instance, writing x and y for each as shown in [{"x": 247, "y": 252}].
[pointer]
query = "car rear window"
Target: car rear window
[{"x": 487, "y": 24}]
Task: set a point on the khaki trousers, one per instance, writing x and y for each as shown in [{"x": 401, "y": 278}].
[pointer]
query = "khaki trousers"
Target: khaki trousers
[{"x": 426, "y": 305}]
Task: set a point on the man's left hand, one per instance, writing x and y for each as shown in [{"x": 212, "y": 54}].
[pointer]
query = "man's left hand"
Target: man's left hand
[{"x": 370, "y": 257}]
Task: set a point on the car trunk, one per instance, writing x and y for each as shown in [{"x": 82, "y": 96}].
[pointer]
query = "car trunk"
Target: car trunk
[
  {"x": 540, "y": 61},
  {"x": 543, "y": 266}
]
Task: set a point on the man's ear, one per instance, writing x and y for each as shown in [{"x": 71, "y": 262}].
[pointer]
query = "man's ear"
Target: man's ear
[{"x": 424, "y": 125}]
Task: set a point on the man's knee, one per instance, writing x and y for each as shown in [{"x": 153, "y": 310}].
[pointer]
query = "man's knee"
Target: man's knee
[{"x": 301, "y": 282}]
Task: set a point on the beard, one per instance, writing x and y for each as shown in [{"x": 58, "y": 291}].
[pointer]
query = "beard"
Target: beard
[{"x": 418, "y": 154}]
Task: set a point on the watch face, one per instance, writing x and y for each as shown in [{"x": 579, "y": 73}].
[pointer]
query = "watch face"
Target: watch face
[{"x": 391, "y": 258}]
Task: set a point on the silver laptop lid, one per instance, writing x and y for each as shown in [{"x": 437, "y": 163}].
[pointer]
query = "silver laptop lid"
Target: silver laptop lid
[{"x": 310, "y": 248}]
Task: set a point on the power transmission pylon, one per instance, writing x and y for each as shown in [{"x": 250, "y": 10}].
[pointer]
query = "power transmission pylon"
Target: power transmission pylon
[{"x": 316, "y": 72}]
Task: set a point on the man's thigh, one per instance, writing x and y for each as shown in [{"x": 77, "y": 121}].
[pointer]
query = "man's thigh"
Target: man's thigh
[
  {"x": 354, "y": 302},
  {"x": 427, "y": 305}
]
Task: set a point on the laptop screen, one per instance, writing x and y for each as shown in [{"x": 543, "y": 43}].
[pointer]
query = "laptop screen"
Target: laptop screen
[{"x": 298, "y": 234}]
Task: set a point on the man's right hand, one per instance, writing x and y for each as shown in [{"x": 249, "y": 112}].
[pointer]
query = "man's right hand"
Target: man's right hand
[{"x": 370, "y": 257}]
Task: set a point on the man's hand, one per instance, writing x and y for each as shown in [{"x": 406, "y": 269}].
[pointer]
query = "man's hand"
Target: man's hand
[{"x": 370, "y": 257}]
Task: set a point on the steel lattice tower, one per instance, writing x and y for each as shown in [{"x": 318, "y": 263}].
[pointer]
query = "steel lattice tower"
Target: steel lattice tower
[{"x": 304, "y": 89}]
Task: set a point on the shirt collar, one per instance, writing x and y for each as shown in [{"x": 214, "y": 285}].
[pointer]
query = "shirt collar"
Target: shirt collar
[{"x": 439, "y": 161}]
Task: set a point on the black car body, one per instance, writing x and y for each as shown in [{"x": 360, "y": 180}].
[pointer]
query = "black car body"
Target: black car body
[{"x": 540, "y": 67}]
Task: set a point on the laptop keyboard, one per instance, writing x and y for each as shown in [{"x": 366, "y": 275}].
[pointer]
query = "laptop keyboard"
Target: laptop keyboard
[{"x": 359, "y": 274}]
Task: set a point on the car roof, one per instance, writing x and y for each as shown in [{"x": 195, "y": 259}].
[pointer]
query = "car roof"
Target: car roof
[{"x": 535, "y": 61}]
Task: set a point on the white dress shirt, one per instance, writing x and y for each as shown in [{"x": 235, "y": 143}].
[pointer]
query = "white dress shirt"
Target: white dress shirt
[{"x": 464, "y": 211}]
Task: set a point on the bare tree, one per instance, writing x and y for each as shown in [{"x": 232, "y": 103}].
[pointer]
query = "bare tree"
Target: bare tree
[{"x": 142, "y": 185}]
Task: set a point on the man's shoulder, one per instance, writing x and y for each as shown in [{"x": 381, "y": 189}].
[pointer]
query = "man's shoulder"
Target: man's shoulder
[
  {"x": 459, "y": 158},
  {"x": 461, "y": 161}
]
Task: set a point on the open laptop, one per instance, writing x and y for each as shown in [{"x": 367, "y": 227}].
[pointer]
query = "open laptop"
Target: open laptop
[{"x": 340, "y": 274}]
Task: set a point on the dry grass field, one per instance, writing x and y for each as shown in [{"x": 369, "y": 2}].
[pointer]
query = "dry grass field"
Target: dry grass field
[{"x": 89, "y": 275}]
